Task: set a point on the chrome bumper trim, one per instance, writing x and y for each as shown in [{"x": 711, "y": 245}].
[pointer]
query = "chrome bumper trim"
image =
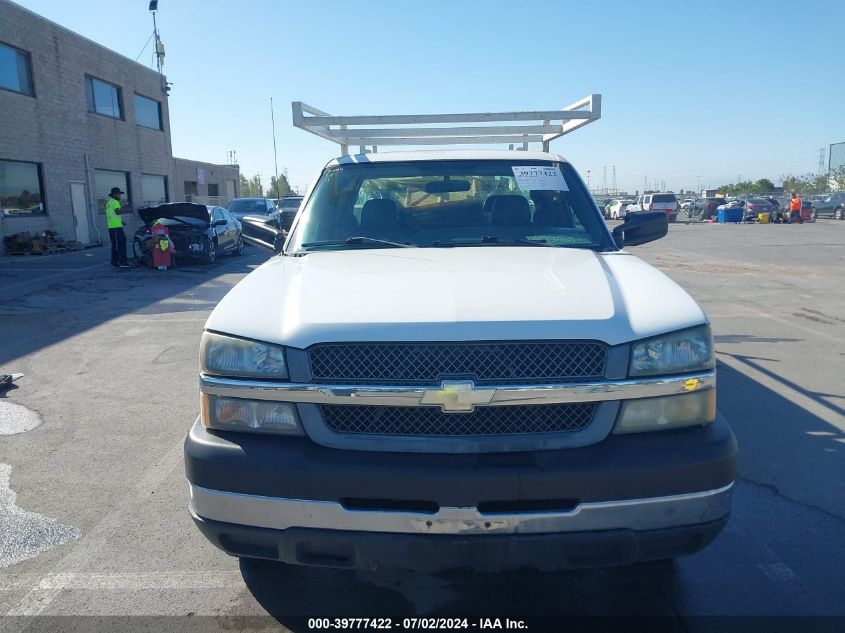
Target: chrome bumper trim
[
  {"x": 633, "y": 514},
  {"x": 481, "y": 395}
]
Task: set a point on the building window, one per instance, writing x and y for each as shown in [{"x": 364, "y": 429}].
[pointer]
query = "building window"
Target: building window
[
  {"x": 190, "y": 187},
  {"x": 153, "y": 190},
  {"x": 147, "y": 112},
  {"x": 15, "y": 70},
  {"x": 104, "y": 98},
  {"x": 21, "y": 189},
  {"x": 213, "y": 190},
  {"x": 104, "y": 180}
]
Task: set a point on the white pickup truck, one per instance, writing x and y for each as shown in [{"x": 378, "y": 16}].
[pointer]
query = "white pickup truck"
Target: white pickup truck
[{"x": 453, "y": 363}]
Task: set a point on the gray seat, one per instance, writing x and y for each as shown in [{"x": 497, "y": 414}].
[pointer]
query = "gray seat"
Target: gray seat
[
  {"x": 550, "y": 211},
  {"x": 379, "y": 214},
  {"x": 510, "y": 211}
]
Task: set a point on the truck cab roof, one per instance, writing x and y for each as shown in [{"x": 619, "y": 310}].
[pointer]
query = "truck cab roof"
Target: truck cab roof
[{"x": 454, "y": 154}]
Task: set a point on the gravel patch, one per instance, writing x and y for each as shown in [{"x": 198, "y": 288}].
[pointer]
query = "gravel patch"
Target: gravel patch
[
  {"x": 26, "y": 534},
  {"x": 16, "y": 419}
]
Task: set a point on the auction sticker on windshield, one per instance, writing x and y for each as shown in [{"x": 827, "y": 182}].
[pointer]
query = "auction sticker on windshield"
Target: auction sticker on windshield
[{"x": 539, "y": 178}]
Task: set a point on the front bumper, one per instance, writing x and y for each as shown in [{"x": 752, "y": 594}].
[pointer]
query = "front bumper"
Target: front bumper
[
  {"x": 627, "y": 498},
  {"x": 429, "y": 554}
]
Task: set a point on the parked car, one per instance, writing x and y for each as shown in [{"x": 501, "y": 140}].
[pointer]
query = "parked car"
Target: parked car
[
  {"x": 353, "y": 388},
  {"x": 777, "y": 214},
  {"x": 833, "y": 206},
  {"x": 686, "y": 204},
  {"x": 666, "y": 202},
  {"x": 618, "y": 208},
  {"x": 808, "y": 210},
  {"x": 288, "y": 206},
  {"x": 755, "y": 206},
  {"x": 196, "y": 230},
  {"x": 704, "y": 208},
  {"x": 240, "y": 207}
]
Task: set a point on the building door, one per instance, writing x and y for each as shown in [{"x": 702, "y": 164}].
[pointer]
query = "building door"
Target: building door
[
  {"x": 230, "y": 189},
  {"x": 80, "y": 212}
]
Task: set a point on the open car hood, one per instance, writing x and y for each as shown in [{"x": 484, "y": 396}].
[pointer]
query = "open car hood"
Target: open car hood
[{"x": 172, "y": 209}]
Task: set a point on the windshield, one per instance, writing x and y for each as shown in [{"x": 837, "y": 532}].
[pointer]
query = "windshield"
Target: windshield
[
  {"x": 289, "y": 204},
  {"x": 450, "y": 203},
  {"x": 247, "y": 207}
]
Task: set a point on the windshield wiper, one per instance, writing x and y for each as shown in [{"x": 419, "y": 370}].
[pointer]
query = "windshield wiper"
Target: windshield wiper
[
  {"x": 358, "y": 239},
  {"x": 492, "y": 239}
]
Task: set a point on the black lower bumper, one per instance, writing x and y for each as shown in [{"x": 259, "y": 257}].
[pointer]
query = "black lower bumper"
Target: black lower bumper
[
  {"x": 433, "y": 553},
  {"x": 635, "y": 466}
]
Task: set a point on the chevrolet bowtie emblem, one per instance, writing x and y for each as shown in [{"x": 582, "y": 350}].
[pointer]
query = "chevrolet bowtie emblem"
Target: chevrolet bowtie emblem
[{"x": 458, "y": 396}]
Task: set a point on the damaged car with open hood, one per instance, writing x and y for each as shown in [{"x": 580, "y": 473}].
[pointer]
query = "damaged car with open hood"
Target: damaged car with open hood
[{"x": 197, "y": 231}]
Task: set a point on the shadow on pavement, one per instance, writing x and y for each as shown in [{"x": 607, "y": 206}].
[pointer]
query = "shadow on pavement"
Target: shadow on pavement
[
  {"x": 292, "y": 594},
  {"x": 818, "y": 396},
  {"x": 776, "y": 559},
  {"x": 45, "y": 301}
]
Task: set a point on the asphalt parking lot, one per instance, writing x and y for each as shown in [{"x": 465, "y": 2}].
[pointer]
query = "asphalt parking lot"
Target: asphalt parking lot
[{"x": 93, "y": 495}]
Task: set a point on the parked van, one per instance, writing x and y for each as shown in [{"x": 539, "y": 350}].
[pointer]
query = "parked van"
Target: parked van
[{"x": 657, "y": 202}]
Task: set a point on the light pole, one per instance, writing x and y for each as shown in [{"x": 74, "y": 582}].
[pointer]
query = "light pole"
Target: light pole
[
  {"x": 588, "y": 180},
  {"x": 275, "y": 160}
]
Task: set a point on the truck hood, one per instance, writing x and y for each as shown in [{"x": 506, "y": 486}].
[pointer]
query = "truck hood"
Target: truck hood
[
  {"x": 454, "y": 294},
  {"x": 171, "y": 210}
]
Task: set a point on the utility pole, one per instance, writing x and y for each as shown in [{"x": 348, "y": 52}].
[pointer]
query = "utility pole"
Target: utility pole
[
  {"x": 821, "y": 161},
  {"x": 158, "y": 46},
  {"x": 275, "y": 159},
  {"x": 615, "y": 190},
  {"x": 604, "y": 180}
]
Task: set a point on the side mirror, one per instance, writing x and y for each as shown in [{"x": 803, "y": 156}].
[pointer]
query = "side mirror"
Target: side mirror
[
  {"x": 219, "y": 223},
  {"x": 641, "y": 227},
  {"x": 263, "y": 231}
]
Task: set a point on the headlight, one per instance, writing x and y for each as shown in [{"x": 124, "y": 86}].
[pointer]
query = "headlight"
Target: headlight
[
  {"x": 228, "y": 356},
  {"x": 667, "y": 412},
  {"x": 256, "y": 416},
  {"x": 678, "y": 352}
]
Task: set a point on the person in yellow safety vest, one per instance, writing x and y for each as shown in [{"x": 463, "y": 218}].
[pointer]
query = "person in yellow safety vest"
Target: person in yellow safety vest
[
  {"x": 115, "y": 224},
  {"x": 795, "y": 209}
]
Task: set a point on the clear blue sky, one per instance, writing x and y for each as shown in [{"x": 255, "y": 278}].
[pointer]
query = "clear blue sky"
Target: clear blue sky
[{"x": 713, "y": 89}]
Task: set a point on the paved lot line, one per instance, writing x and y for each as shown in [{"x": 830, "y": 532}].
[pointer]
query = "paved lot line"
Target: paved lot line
[
  {"x": 805, "y": 402},
  {"x": 41, "y": 280},
  {"x": 42, "y": 592},
  {"x": 793, "y": 324}
]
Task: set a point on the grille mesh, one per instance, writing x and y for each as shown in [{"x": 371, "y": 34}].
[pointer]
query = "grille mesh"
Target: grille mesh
[
  {"x": 432, "y": 422},
  {"x": 429, "y": 363}
]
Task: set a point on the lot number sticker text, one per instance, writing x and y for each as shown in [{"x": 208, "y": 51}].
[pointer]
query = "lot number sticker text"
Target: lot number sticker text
[{"x": 538, "y": 178}]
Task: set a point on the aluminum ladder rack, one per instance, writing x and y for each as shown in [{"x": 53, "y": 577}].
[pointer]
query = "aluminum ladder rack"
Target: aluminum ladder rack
[{"x": 542, "y": 126}]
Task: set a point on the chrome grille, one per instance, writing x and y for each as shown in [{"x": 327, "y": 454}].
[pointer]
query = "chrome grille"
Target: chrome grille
[
  {"x": 430, "y": 363},
  {"x": 432, "y": 422}
]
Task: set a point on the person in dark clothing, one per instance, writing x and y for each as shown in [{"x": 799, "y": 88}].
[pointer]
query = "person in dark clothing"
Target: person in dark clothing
[{"x": 115, "y": 224}]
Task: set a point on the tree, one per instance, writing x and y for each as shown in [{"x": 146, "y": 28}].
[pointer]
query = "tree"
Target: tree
[
  {"x": 764, "y": 185},
  {"x": 837, "y": 179},
  {"x": 807, "y": 184},
  {"x": 280, "y": 189},
  {"x": 761, "y": 186},
  {"x": 251, "y": 187}
]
